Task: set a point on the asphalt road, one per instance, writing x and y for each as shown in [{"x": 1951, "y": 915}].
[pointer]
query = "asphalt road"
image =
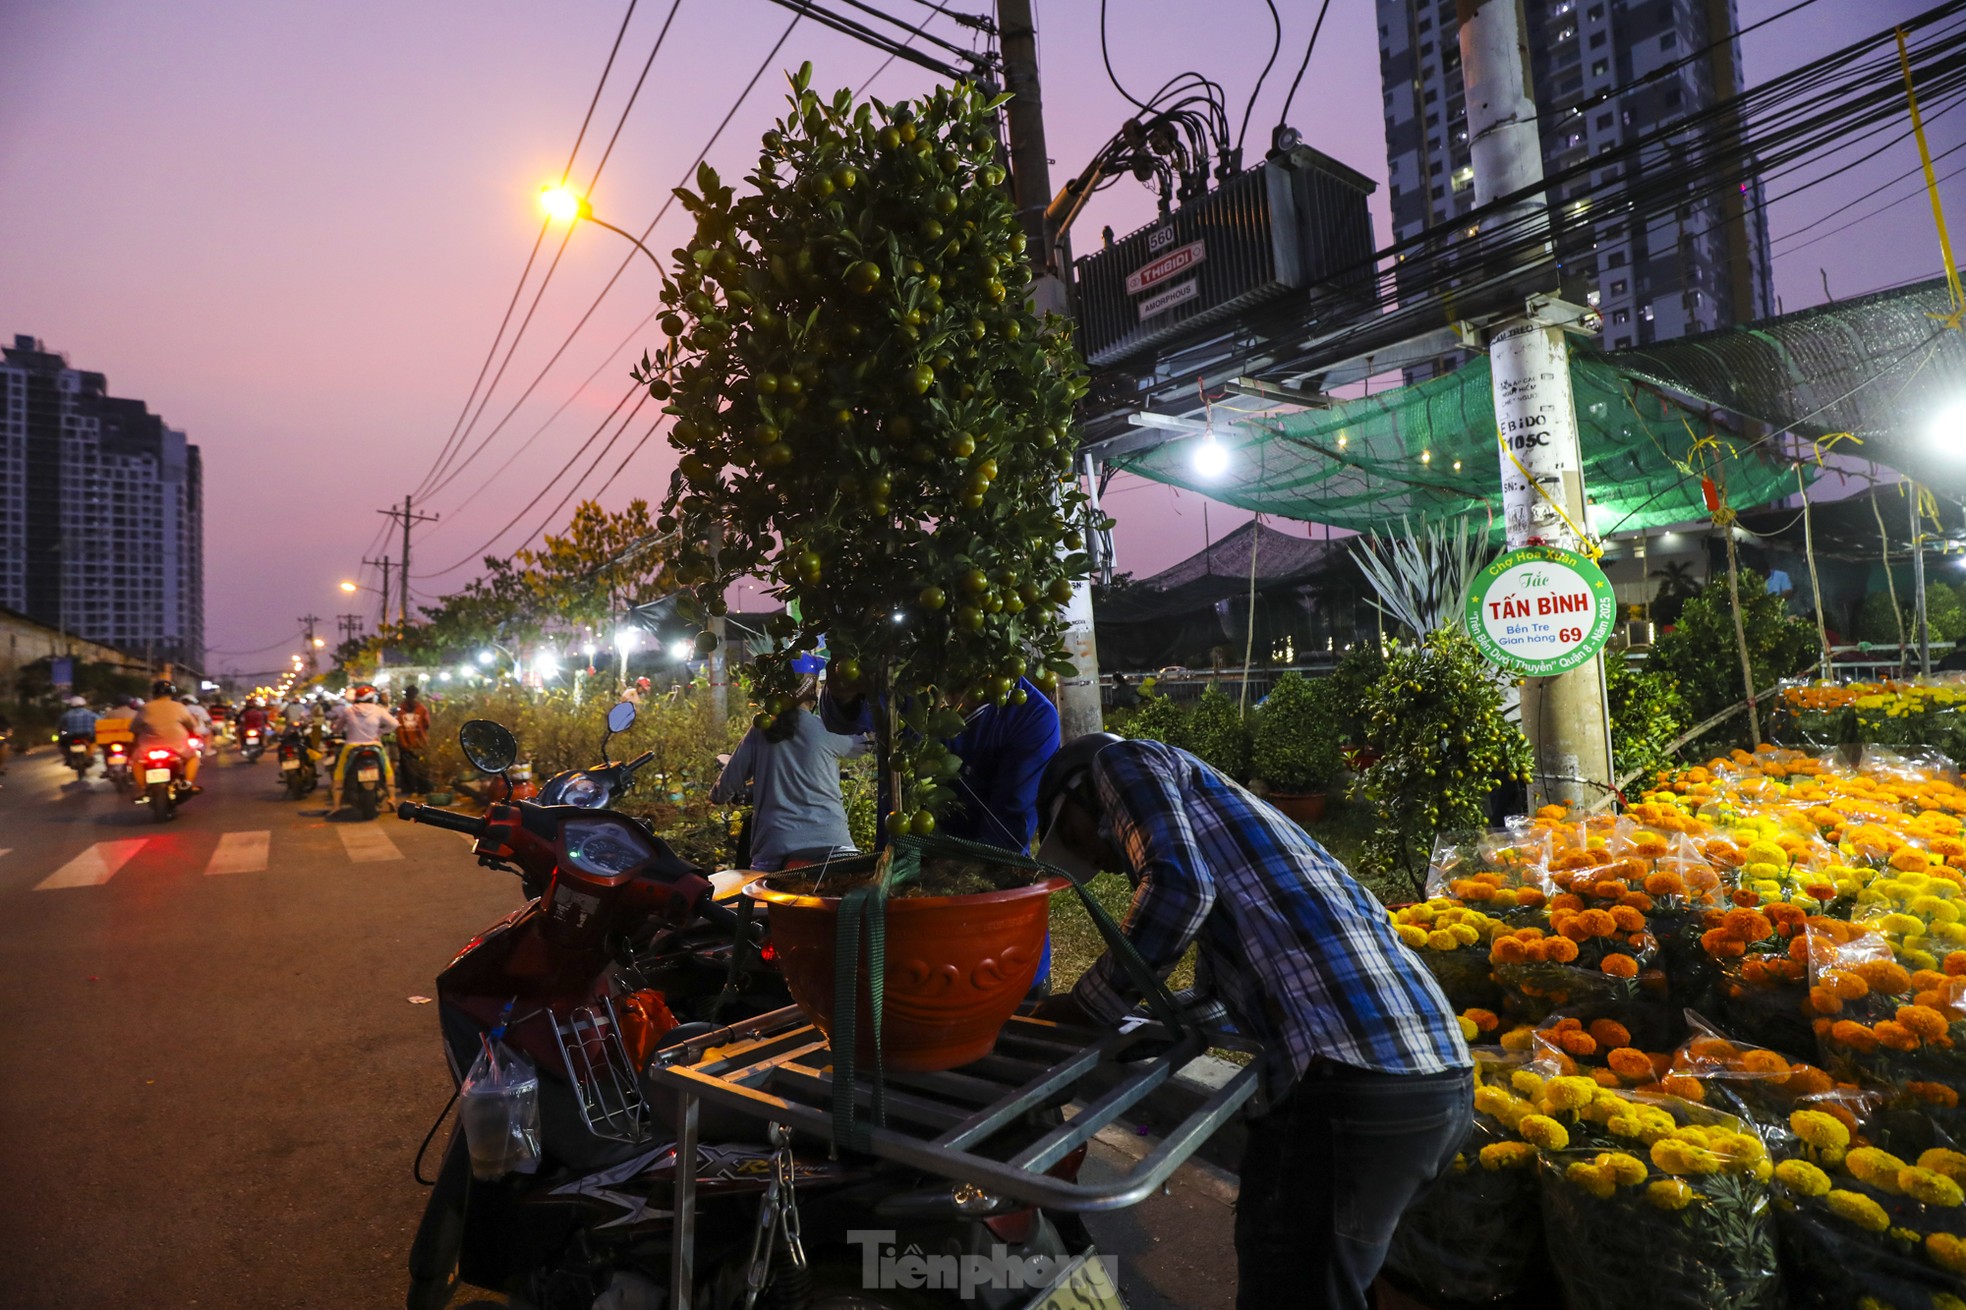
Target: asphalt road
[
  {"x": 213, "y": 1082},
  {"x": 215, "y": 1077}
]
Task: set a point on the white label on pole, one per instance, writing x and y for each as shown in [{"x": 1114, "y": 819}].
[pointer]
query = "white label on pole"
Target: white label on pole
[
  {"x": 1536, "y": 418},
  {"x": 1177, "y": 294},
  {"x": 1176, "y": 261}
]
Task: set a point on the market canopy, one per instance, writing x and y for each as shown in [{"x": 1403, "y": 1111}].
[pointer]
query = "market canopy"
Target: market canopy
[{"x": 1877, "y": 367}]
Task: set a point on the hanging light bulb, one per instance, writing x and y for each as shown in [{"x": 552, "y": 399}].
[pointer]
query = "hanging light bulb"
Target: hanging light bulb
[
  {"x": 1343, "y": 439},
  {"x": 1457, "y": 466},
  {"x": 1426, "y": 457},
  {"x": 1211, "y": 461}
]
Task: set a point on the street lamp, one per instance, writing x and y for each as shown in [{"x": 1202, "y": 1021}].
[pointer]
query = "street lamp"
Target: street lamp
[
  {"x": 350, "y": 588},
  {"x": 1210, "y": 459},
  {"x": 564, "y": 205}
]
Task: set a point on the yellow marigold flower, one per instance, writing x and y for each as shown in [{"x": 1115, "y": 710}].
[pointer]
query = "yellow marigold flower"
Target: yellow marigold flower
[
  {"x": 1442, "y": 940},
  {"x": 1879, "y": 1168},
  {"x": 1947, "y": 1251},
  {"x": 1901, "y": 923},
  {"x": 1820, "y": 1130},
  {"x": 1468, "y": 1030},
  {"x": 1598, "y": 1182},
  {"x": 1674, "y": 1156},
  {"x": 1669, "y": 1194},
  {"x": 1412, "y": 936},
  {"x": 1947, "y": 1301},
  {"x": 1498, "y": 1104},
  {"x": 1941, "y": 1161},
  {"x": 1544, "y": 1132},
  {"x": 1802, "y": 1178},
  {"x": 1766, "y": 852},
  {"x": 1628, "y": 1170},
  {"x": 1929, "y": 1188},
  {"x": 1518, "y": 1039},
  {"x": 1506, "y": 1155},
  {"x": 1464, "y": 934},
  {"x": 1567, "y": 1093},
  {"x": 1858, "y": 1209},
  {"x": 1526, "y": 1081}
]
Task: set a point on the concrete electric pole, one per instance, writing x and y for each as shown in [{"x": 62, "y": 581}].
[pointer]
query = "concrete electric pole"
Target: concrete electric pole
[
  {"x": 406, "y": 517},
  {"x": 1030, "y": 181},
  {"x": 1565, "y": 717},
  {"x": 307, "y": 622}
]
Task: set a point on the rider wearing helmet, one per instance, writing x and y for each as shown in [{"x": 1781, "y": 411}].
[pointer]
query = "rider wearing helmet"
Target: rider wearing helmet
[
  {"x": 206, "y": 729},
  {"x": 78, "y": 720},
  {"x": 165, "y": 721},
  {"x": 361, "y": 722},
  {"x": 1366, "y": 1070}
]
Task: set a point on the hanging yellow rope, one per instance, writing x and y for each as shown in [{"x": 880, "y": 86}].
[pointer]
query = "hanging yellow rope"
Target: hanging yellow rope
[
  {"x": 1590, "y": 547},
  {"x": 1953, "y": 319}
]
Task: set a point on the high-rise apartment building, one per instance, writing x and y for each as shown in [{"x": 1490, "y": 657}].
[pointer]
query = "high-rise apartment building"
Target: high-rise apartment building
[
  {"x": 101, "y": 511},
  {"x": 1700, "y": 265}
]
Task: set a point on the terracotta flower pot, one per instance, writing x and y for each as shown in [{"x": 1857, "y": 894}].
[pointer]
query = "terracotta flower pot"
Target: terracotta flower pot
[
  {"x": 957, "y": 966},
  {"x": 1300, "y": 808}
]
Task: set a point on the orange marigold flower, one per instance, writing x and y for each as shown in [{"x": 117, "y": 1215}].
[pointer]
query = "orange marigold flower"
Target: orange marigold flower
[
  {"x": 1744, "y": 898},
  {"x": 1927, "y": 980},
  {"x": 1508, "y": 950},
  {"x": 1764, "y": 1062},
  {"x": 1933, "y": 1093},
  {"x": 1717, "y": 1049},
  {"x": 1609, "y": 1032},
  {"x": 1566, "y": 901},
  {"x": 1886, "y": 976},
  {"x": 1891, "y": 1033},
  {"x": 1598, "y": 923},
  {"x": 1561, "y": 950},
  {"x": 1849, "y": 985},
  {"x": 1636, "y": 900},
  {"x": 1665, "y": 884},
  {"x": 1824, "y": 1001},
  {"x": 1629, "y": 1063},
  {"x": 1528, "y": 898},
  {"x": 1849, "y": 1032},
  {"x": 1619, "y": 966},
  {"x": 1577, "y": 1043},
  {"x": 1955, "y": 964},
  {"x": 1719, "y": 945},
  {"x": 1807, "y": 1080},
  {"x": 1923, "y": 1021},
  {"x": 1627, "y": 918},
  {"x": 1607, "y": 889},
  {"x": 1788, "y": 917},
  {"x": 1486, "y": 1021},
  {"x": 1687, "y": 1089},
  {"x": 1747, "y": 925},
  {"x": 1605, "y": 1078}
]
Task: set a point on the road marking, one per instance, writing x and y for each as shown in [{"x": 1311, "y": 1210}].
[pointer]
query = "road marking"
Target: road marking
[
  {"x": 367, "y": 843},
  {"x": 94, "y": 866},
  {"x": 240, "y": 852}
]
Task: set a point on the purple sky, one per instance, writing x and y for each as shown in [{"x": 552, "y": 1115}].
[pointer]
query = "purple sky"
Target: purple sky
[{"x": 293, "y": 230}]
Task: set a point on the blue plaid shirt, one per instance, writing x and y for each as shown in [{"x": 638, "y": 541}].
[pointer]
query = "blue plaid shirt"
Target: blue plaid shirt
[{"x": 1301, "y": 956}]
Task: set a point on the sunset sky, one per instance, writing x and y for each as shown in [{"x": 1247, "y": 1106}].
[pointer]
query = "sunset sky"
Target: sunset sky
[{"x": 293, "y": 229}]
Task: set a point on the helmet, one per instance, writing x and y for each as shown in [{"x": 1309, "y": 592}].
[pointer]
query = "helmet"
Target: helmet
[
  {"x": 411, "y": 692},
  {"x": 642, "y": 684},
  {"x": 163, "y": 687},
  {"x": 76, "y": 701},
  {"x": 362, "y": 692},
  {"x": 188, "y": 699},
  {"x": 136, "y": 702}
]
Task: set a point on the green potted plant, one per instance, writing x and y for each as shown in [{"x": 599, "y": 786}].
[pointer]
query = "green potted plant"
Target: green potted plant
[
  {"x": 1217, "y": 734},
  {"x": 1296, "y": 751},
  {"x": 873, "y": 419}
]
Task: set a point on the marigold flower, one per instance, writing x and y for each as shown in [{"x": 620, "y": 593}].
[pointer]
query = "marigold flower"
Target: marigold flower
[
  {"x": 1849, "y": 986},
  {"x": 1687, "y": 1089},
  {"x": 1947, "y": 1250},
  {"x": 1486, "y": 1021},
  {"x": 1715, "y": 1049},
  {"x": 1819, "y": 1129},
  {"x": 1506, "y": 1155},
  {"x": 1873, "y": 1165},
  {"x": 1609, "y": 1032},
  {"x": 1933, "y": 1093},
  {"x": 1468, "y": 1030},
  {"x": 1807, "y": 1080},
  {"x": 1927, "y": 1023},
  {"x": 1895, "y": 1036},
  {"x": 1848, "y": 1032},
  {"x": 1885, "y": 976},
  {"x": 1543, "y": 1131},
  {"x": 1928, "y": 1187},
  {"x": 1799, "y": 1177},
  {"x": 1619, "y": 966},
  {"x": 1669, "y": 1194},
  {"x": 1560, "y": 950},
  {"x": 1526, "y": 1081},
  {"x": 1942, "y": 1161},
  {"x": 1630, "y": 1064},
  {"x": 1824, "y": 1001},
  {"x": 1858, "y": 1209},
  {"x": 1561, "y": 1094},
  {"x": 1719, "y": 945}
]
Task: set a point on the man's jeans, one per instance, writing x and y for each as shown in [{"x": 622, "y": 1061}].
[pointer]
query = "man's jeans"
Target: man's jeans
[{"x": 1327, "y": 1174}]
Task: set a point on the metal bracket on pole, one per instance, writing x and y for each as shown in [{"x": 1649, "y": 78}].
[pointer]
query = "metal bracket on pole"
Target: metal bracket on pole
[{"x": 1554, "y": 312}]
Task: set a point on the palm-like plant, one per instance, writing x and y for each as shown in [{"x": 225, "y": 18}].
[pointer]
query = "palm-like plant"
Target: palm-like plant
[{"x": 1422, "y": 578}]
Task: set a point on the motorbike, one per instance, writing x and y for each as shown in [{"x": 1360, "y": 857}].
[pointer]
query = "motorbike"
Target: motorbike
[
  {"x": 297, "y": 771},
  {"x": 78, "y": 752},
  {"x": 165, "y": 786},
  {"x": 252, "y": 744},
  {"x": 362, "y": 772},
  {"x": 116, "y": 764},
  {"x": 623, "y": 951}
]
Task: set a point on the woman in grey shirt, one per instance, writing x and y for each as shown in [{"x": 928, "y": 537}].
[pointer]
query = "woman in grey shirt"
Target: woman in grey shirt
[{"x": 794, "y": 767}]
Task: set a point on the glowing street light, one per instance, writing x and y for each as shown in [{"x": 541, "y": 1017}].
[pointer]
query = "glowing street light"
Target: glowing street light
[
  {"x": 682, "y": 650},
  {"x": 350, "y": 588},
  {"x": 564, "y": 205},
  {"x": 1210, "y": 459},
  {"x": 1948, "y": 430}
]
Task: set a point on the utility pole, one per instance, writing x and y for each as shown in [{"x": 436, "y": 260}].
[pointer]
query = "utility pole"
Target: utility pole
[
  {"x": 385, "y": 564},
  {"x": 307, "y": 622},
  {"x": 1567, "y": 717},
  {"x": 1030, "y": 183},
  {"x": 406, "y": 516},
  {"x": 351, "y": 626}
]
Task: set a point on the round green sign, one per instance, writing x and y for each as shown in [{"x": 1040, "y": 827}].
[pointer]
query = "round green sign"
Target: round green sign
[{"x": 1541, "y": 610}]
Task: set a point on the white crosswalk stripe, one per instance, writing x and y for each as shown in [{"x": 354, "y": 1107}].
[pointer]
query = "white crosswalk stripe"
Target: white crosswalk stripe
[
  {"x": 366, "y": 843},
  {"x": 94, "y": 866},
  {"x": 241, "y": 852}
]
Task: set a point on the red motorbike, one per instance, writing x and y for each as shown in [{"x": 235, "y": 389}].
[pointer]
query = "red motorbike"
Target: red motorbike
[
  {"x": 165, "y": 786},
  {"x": 621, "y": 952}
]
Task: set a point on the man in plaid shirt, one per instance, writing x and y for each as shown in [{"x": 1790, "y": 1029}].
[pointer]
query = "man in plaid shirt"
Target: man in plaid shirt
[{"x": 1367, "y": 1075}]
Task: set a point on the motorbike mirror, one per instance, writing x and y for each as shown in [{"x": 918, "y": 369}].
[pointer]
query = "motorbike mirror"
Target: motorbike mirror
[
  {"x": 621, "y": 717},
  {"x": 489, "y": 746}
]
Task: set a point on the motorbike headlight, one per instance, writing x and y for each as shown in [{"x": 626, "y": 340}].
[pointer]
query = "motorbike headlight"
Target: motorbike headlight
[
  {"x": 604, "y": 847},
  {"x": 586, "y": 791}
]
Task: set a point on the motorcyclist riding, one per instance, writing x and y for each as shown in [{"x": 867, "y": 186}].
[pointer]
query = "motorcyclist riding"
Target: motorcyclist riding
[
  {"x": 78, "y": 719},
  {"x": 361, "y": 722},
  {"x": 165, "y": 721}
]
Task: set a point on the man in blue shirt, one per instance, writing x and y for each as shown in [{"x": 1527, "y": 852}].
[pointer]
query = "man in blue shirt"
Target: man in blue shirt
[
  {"x": 1368, "y": 1079},
  {"x": 78, "y": 720}
]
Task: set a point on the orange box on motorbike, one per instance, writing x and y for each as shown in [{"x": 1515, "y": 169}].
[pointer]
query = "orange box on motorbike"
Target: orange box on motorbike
[{"x": 114, "y": 730}]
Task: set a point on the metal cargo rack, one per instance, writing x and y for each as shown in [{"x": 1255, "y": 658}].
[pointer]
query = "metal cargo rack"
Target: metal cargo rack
[{"x": 967, "y": 1125}]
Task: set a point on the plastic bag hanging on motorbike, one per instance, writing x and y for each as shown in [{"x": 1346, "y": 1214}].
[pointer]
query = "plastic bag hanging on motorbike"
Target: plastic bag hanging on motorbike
[{"x": 499, "y": 1105}]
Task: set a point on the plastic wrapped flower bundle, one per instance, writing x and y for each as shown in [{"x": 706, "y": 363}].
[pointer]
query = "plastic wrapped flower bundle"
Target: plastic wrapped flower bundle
[
  {"x": 1453, "y": 942},
  {"x": 1754, "y": 1082},
  {"x": 1763, "y": 959},
  {"x": 1505, "y": 872},
  {"x": 1659, "y": 1185},
  {"x": 1864, "y": 1226},
  {"x": 1476, "y": 1237},
  {"x": 1887, "y": 1026},
  {"x": 1601, "y": 1050},
  {"x": 1585, "y": 959}
]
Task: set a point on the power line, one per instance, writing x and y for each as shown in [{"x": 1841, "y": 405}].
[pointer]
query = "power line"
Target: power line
[
  {"x": 1284, "y": 117},
  {"x": 1857, "y": 200},
  {"x": 629, "y": 258},
  {"x": 525, "y": 273},
  {"x": 1276, "y": 44}
]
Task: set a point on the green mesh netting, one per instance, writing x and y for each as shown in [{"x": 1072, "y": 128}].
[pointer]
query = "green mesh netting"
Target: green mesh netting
[{"x": 1429, "y": 452}]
